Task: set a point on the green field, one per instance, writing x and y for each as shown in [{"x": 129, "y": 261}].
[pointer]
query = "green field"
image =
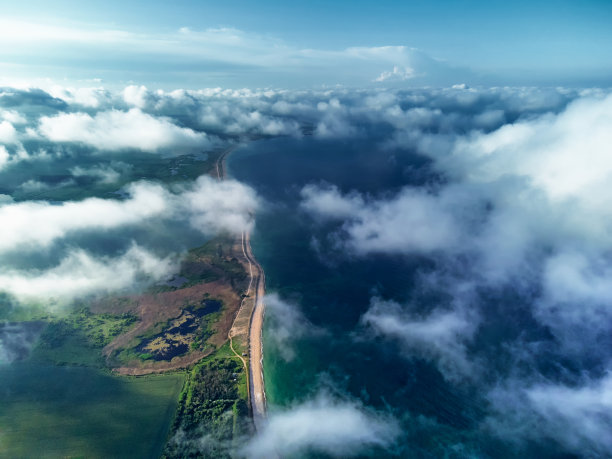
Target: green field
[{"x": 63, "y": 411}]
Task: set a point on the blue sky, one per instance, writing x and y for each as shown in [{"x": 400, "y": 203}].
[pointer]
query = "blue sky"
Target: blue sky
[{"x": 304, "y": 44}]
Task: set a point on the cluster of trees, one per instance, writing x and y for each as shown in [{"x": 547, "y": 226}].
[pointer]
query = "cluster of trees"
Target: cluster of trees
[{"x": 212, "y": 416}]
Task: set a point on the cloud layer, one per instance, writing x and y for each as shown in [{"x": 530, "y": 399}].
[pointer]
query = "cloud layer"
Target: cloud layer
[
  {"x": 35, "y": 225},
  {"x": 322, "y": 425},
  {"x": 55, "y": 231},
  {"x": 413, "y": 221},
  {"x": 80, "y": 274},
  {"x": 286, "y": 325},
  {"x": 508, "y": 205},
  {"x": 118, "y": 130},
  {"x": 212, "y": 56},
  {"x": 440, "y": 336},
  {"x": 517, "y": 202},
  {"x": 209, "y": 205}
]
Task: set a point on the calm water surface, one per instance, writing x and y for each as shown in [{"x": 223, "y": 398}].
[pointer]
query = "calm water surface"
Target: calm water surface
[{"x": 334, "y": 290}]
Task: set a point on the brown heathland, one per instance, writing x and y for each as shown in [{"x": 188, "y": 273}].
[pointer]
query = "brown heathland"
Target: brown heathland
[{"x": 219, "y": 260}]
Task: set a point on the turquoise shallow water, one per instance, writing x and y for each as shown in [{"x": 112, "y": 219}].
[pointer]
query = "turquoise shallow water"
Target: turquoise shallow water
[{"x": 439, "y": 418}]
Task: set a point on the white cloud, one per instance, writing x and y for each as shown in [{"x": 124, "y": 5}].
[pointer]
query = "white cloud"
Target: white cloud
[
  {"x": 243, "y": 118},
  {"x": 8, "y": 134},
  {"x": 31, "y": 225},
  {"x": 335, "y": 122},
  {"x": 576, "y": 416},
  {"x": 333, "y": 126},
  {"x": 214, "y": 206},
  {"x": 339, "y": 429},
  {"x": 103, "y": 173},
  {"x": 84, "y": 97},
  {"x": 136, "y": 96},
  {"x": 440, "y": 336},
  {"x": 521, "y": 211},
  {"x": 576, "y": 300},
  {"x": 12, "y": 117},
  {"x": 575, "y": 278},
  {"x": 285, "y": 324},
  {"x": 209, "y": 205},
  {"x": 80, "y": 274},
  {"x": 398, "y": 73},
  {"x": 328, "y": 202},
  {"x": 215, "y": 55},
  {"x": 527, "y": 220},
  {"x": 567, "y": 155},
  {"x": 117, "y": 130},
  {"x": 544, "y": 178},
  {"x": 254, "y": 121},
  {"x": 411, "y": 222}
]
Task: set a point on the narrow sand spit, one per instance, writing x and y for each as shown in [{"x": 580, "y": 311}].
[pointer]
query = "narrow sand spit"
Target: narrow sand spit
[
  {"x": 247, "y": 329},
  {"x": 256, "y": 377}
]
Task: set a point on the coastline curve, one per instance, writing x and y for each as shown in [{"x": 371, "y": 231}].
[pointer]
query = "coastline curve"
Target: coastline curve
[{"x": 248, "y": 323}]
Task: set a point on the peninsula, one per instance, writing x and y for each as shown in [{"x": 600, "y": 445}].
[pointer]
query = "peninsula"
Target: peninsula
[
  {"x": 179, "y": 358},
  {"x": 247, "y": 328}
]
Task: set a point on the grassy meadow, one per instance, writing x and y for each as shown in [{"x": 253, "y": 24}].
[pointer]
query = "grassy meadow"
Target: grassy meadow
[{"x": 66, "y": 411}]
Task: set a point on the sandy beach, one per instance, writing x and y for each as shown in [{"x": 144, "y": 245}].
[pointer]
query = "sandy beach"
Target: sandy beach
[
  {"x": 247, "y": 329},
  {"x": 256, "y": 377}
]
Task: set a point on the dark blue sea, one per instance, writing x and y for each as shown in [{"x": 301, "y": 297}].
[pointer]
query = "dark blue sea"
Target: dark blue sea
[{"x": 333, "y": 290}]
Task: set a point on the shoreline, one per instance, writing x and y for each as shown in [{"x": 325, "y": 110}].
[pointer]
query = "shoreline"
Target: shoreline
[
  {"x": 255, "y": 340},
  {"x": 253, "y": 305}
]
